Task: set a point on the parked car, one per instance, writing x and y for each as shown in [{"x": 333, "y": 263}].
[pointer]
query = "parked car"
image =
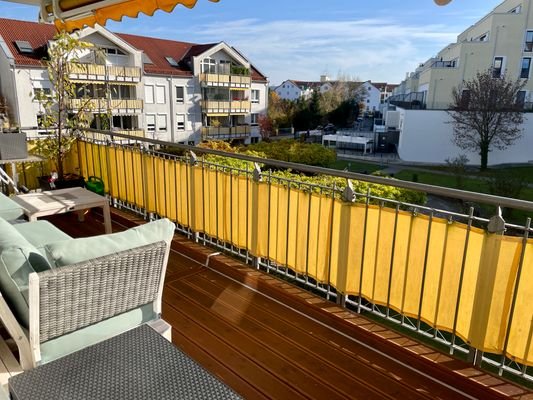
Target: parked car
[{"x": 330, "y": 129}]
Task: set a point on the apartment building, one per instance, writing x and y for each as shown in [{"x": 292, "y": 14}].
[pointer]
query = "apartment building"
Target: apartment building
[
  {"x": 502, "y": 40},
  {"x": 161, "y": 89}
]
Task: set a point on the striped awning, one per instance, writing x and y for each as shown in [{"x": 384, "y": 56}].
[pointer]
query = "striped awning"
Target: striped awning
[{"x": 70, "y": 15}]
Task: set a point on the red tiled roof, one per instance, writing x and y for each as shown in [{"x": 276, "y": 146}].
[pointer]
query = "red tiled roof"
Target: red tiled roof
[
  {"x": 36, "y": 34},
  {"x": 156, "y": 49}
]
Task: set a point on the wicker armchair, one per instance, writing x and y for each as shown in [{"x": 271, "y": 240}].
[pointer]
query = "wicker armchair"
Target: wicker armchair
[{"x": 65, "y": 302}]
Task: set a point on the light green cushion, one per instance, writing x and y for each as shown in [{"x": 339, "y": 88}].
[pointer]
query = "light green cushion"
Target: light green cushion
[
  {"x": 18, "y": 258},
  {"x": 39, "y": 233},
  {"x": 9, "y": 210},
  {"x": 96, "y": 333},
  {"x": 74, "y": 251}
]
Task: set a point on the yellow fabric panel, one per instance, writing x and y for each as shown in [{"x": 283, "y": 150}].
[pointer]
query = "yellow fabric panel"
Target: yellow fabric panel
[
  {"x": 415, "y": 265},
  {"x": 319, "y": 236},
  {"x": 498, "y": 265},
  {"x": 433, "y": 275},
  {"x": 210, "y": 203},
  {"x": 299, "y": 230},
  {"x": 159, "y": 185},
  {"x": 468, "y": 288},
  {"x": 399, "y": 266},
  {"x": 347, "y": 242},
  {"x": 520, "y": 346},
  {"x": 114, "y": 189},
  {"x": 278, "y": 223},
  {"x": 385, "y": 240},
  {"x": 116, "y": 12},
  {"x": 196, "y": 196},
  {"x": 449, "y": 276},
  {"x": 260, "y": 229},
  {"x": 183, "y": 201},
  {"x": 370, "y": 252}
]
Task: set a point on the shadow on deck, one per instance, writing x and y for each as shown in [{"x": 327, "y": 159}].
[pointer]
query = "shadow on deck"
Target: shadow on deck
[{"x": 268, "y": 339}]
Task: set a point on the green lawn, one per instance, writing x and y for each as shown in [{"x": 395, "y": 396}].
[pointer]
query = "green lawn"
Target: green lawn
[
  {"x": 525, "y": 172},
  {"x": 356, "y": 166}
]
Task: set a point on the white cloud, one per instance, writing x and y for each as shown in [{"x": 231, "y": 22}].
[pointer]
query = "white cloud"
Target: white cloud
[{"x": 376, "y": 49}]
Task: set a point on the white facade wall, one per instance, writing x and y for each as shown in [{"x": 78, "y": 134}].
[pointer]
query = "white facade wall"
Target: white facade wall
[
  {"x": 373, "y": 97},
  {"x": 27, "y": 80},
  {"x": 163, "y": 110},
  {"x": 258, "y": 108},
  {"x": 288, "y": 91},
  {"x": 426, "y": 137}
]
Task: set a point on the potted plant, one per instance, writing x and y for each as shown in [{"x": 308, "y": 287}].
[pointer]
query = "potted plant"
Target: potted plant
[{"x": 57, "y": 116}]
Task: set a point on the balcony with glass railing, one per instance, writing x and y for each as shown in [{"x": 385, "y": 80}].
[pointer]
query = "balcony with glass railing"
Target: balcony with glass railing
[
  {"x": 118, "y": 106},
  {"x": 105, "y": 73}
]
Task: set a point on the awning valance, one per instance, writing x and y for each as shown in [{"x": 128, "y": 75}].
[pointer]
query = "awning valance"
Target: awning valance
[{"x": 71, "y": 15}]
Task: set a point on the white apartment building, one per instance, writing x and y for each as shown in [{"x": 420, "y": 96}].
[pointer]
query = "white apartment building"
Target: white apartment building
[
  {"x": 162, "y": 89},
  {"x": 503, "y": 40}
]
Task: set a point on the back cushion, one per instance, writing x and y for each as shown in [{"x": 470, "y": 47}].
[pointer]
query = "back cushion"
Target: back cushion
[
  {"x": 9, "y": 209},
  {"x": 74, "y": 251},
  {"x": 18, "y": 258}
]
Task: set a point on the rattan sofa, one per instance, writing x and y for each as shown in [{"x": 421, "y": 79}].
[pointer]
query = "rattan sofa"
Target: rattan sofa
[{"x": 94, "y": 289}]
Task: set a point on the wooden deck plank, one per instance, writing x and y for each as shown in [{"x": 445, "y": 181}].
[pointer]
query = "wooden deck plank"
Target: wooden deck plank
[{"x": 337, "y": 351}]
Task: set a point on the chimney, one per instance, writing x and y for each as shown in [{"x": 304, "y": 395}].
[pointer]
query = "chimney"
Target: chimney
[{"x": 324, "y": 78}]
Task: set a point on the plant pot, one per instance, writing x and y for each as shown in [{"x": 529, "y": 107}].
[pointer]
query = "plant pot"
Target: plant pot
[{"x": 68, "y": 181}]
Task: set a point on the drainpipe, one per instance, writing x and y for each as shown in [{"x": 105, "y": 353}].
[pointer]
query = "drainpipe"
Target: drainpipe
[{"x": 172, "y": 109}]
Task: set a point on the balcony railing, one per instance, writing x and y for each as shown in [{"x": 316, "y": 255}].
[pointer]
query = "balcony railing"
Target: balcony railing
[
  {"x": 112, "y": 73},
  {"x": 223, "y": 133},
  {"x": 444, "y": 64},
  {"x": 117, "y": 106},
  {"x": 226, "y": 80},
  {"x": 459, "y": 279},
  {"x": 239, "y": 107}
]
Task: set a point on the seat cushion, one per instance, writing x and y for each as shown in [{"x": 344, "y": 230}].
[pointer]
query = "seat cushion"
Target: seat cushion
[
  {"x": 9, "y": 210},
  {"x": 73, "y": 251},
  {"x": 18, "y": 258}
]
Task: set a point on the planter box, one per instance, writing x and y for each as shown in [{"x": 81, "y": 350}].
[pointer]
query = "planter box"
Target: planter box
[
  {"x": 13, "y": 146},
  {"x": 69, "y": 181}
]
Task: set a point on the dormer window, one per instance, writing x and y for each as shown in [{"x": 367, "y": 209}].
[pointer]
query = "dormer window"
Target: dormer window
[{"x": 24, "y": 47}]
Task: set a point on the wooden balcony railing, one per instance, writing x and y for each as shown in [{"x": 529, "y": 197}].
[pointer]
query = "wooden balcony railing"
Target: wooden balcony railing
[
  {"x": 226, "y": 107},
  {"x": 210, "y": 132},
  {"x": 111, "y": 73},
  {"x": 226, "y": 80},
  {"x": 133, "y": 105}
]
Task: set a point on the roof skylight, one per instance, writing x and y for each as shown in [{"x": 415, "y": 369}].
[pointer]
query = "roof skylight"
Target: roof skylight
[{"x": 24, "y": 46}]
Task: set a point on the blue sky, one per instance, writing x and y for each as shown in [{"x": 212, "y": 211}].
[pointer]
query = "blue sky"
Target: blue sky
[{"x": 377, "y": 40}]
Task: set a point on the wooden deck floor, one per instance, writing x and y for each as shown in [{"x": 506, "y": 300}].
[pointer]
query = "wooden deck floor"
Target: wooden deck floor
[{"x": 269, "y": 340}]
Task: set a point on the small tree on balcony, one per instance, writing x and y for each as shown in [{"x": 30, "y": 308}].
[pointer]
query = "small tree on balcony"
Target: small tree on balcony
[
  {"x": 486, "y": 114},
  {"x": 56, "y": 112}
]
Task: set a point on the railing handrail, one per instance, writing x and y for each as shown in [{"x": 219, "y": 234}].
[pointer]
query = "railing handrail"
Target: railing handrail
[{"x": 421, "y": 187}]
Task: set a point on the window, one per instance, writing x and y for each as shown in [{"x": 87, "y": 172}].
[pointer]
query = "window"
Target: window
[
  {"x": 160, "y": 94},
  {"x": 180, "y": 94},
  {"x": 150, "y": 124},
  {"x": 529, "y": 41},
  {"x": 255, "y": 96},
  {"x": 224, "y": 67},
  {"x": 254, "y": 119},
  {"x": 208, "y": 66},
  {"x": 113, "y": 50},
  {"x": 521, "y": 98},
  {"x": 254, "y": 140},
  {"x": 161, "y": 123},
  {"x": 149, "y": 94},
  {"x": 465, "y": 98},
  {"x": 191, "y": 143},
  {"x": 516, "y": 10},
  {"x": 526, "y": 65},
  {"x": 24, "y": 46},
  {"x": 180, "y": 121},
  {"x": 172, "y": 62},
  {"x": 497, "y": 67},
  {"x": 40, "y": 92}
]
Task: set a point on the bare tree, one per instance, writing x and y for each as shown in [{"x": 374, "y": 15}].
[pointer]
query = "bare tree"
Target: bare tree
[{"x": 487, "y": 113}]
